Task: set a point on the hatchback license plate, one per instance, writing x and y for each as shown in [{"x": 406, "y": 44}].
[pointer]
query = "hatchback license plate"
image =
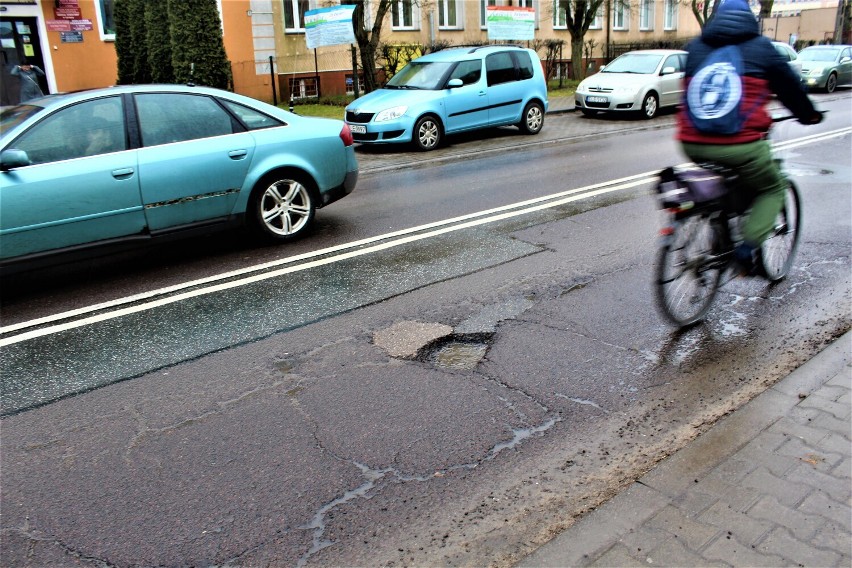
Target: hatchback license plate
[
  {"x": 355, "y": 129},
  {"x": 597, "y": 100}
]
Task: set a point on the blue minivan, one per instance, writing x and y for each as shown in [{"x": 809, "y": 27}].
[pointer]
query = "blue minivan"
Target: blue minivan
[{"x": 450, "y": 91}]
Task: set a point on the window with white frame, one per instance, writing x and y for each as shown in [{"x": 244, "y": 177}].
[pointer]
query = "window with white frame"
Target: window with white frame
[
  {"x": 450, "y": 14},
  {"x": 403, "y": 15},
  {"x": 670, "y": 19},
  {"x": 597, "y": 23},
  {"x": 294, "y": 14},
  {"x": 303, "y": 87},
  {"x": 646, "y": 15},
  {"x": 106, "y": 20},
  {"x": 482, "y": 11},
  {"x": 560, "y": 21},
  {"x": 620, "y": 15}
]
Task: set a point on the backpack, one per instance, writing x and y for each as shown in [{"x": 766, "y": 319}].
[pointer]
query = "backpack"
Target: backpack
[{"x": 715, "y": 93}]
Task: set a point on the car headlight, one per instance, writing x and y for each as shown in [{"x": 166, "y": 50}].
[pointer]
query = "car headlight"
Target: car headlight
[
  {"x": 627, "y": 90},
  {"x": 581, "y": 86},
  {"x": 817, "y": 71},
  {"x": 391, "y": 113}
]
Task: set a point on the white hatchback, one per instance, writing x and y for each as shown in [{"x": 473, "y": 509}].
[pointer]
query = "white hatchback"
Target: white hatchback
[{"x": 641, "y": 82}]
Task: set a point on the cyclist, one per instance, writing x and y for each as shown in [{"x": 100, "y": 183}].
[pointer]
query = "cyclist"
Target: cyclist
[{"x": 746, "y": 151}]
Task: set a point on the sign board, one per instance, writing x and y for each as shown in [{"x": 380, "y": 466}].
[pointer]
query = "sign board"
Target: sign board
[
  {"x": 510, "y": 23},
  {"x": 58, "y": 25},
  {"x": 71, "y": 37},
  {"x": 329, "y": 26}
]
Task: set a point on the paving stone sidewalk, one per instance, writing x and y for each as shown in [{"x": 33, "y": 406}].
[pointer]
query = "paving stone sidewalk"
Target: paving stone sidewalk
[{"x": 769, "y": 485}]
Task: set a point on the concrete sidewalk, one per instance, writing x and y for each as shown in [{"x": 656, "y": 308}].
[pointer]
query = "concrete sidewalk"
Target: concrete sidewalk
[{"x": 769, "y": 485}]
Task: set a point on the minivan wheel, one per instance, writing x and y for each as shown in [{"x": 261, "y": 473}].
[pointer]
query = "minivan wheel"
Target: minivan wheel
[
  {"x": 427, "y": 133},
  {"x": 533, "y": 118},
  {"x": 831, "y": 83},
  {"x": 650, "y": 106}
]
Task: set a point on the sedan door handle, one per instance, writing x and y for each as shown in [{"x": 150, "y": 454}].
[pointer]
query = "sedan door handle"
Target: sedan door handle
[
  {"x": 481, "y": 93},
  {"x": 238, "y": 154},
  {"x": 122, "y": 173}
]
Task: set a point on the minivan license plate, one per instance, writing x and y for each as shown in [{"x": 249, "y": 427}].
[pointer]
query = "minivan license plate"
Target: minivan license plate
[
  {"x": 597, "y": 100},
  {"x": 355, "y": 129}
]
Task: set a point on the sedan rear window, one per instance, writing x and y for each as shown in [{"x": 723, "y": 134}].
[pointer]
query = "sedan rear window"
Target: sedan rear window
[{"x": 253, "y": 119}]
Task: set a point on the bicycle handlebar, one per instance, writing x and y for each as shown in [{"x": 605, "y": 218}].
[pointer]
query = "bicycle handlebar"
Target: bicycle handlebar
[{"x": 793, "y": 117}]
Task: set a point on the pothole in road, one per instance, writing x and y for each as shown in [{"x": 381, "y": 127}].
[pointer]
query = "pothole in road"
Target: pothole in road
[{"x": 457, "y": 351}]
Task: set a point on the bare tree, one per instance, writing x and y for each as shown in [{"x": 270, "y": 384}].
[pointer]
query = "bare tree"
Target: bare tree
[
  {"x": 579, "y": 15},
  {"x": 704, "y": 10},
  {"x": 369, "y": 38}
]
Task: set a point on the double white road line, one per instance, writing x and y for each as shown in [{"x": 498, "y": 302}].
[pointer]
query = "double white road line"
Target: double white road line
[{"x": 24, "y": 331}]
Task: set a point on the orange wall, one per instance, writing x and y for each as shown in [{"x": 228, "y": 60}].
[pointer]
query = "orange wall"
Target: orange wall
[
  {"x": 89, "y": 64},
  {"x": 93, "y": 62},
  {"x": 239, "y": 47}
]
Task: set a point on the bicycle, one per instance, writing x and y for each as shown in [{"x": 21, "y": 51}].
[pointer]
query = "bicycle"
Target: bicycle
[{"x": 698, "y": 243}]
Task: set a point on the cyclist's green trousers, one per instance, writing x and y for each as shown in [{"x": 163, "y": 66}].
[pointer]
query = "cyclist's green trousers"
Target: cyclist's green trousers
[{"x": 755, "y": 168}]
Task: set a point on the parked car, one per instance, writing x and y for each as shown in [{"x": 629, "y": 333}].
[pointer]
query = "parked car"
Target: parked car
[
  {"x": 790, "y": 56},
  {"x": 131, "y": 163},
  {"x": 641, "y": 82},
  {"x": 450, "y": 91},
  {"x": 826, "y": 66}
]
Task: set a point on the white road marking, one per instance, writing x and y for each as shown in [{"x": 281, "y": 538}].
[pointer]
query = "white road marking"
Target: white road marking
[{"x": 234, "y": 279}]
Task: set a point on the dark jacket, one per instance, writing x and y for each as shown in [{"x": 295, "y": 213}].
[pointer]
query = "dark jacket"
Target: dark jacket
[{"x": 765, "y": 72}]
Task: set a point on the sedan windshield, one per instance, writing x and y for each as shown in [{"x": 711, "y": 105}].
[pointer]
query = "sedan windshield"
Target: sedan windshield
[
  {"x": 643, "y": 63},
  {"x": 423, "y": 75},
  {"x": 11, "y": 117},
  {"x": 818, "y": 54}
]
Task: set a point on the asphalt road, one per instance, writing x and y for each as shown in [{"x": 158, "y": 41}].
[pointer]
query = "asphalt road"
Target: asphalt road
[{"x": 448, "y": 399}]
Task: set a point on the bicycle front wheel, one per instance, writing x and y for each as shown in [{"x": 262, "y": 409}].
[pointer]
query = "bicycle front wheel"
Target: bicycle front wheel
[
  {"x": 779, "y": 249},
  {"x": 688, "y": 271}
]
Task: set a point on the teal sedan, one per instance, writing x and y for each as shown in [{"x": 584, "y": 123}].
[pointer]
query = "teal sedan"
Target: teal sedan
[{"x": 123, "y": 165}]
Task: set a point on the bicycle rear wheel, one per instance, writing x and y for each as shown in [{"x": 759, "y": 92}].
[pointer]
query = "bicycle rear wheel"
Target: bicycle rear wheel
[
  {"x": 688, "y": 271},
  {"x": 778, "y": 251}
]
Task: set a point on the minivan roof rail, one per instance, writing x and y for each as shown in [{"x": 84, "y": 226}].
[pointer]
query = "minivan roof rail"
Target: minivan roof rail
[{"x": 477, "y": 47}]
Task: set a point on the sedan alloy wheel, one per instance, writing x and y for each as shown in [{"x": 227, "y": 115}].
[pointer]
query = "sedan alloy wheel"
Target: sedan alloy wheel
[{"x": 284, "y": 208}]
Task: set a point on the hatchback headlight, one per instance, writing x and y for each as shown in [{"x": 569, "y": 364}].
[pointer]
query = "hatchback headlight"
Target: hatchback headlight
[
  {"x": 817, "y": 71},
  {"x": 391, "y": 114}
]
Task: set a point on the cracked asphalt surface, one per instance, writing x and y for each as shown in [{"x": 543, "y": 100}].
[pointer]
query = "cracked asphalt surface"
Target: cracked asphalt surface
[{"x": 316, "y": 446}]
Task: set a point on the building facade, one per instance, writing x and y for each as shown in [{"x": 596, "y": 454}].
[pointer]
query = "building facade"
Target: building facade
[{"x": 73, "y": 40}]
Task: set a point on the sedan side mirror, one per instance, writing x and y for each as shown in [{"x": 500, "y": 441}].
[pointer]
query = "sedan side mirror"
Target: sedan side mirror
[
  {"x": 846, "y": 59},
  {"x": 10, "y": 159},
  {"x": 668, "y": 71},
  {"x": 454, "y": 83}
]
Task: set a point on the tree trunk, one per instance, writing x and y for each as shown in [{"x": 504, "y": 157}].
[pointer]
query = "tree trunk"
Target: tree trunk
[
  {"x": 368, "y": 40},
  {"x": 578, "y": 70}
]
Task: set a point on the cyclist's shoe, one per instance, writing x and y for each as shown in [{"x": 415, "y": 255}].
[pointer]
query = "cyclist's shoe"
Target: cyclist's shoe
[{"x": 747, "y": 261}]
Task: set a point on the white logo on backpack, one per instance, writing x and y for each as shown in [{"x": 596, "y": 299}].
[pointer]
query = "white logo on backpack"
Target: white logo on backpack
[
  {"x": 714, "y": 91},
  {"x": 715, "y": 95}
]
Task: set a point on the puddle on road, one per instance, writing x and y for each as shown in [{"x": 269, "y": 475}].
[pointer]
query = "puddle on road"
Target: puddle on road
[
  {"x": 460, "y": 355},
  {"x": 457, "y": 352}
]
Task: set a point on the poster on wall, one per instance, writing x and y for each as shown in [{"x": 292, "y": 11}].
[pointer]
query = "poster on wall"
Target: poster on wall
[
  {"x": 510, "y": 23},
  {"x": 329, "y": 26}
]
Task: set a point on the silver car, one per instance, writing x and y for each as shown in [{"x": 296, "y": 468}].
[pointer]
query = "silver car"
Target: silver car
[
  {"x": 826, "y": 66},
  {"x": 641, "y": 82},
  {"x": 789, "y": 54}
]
